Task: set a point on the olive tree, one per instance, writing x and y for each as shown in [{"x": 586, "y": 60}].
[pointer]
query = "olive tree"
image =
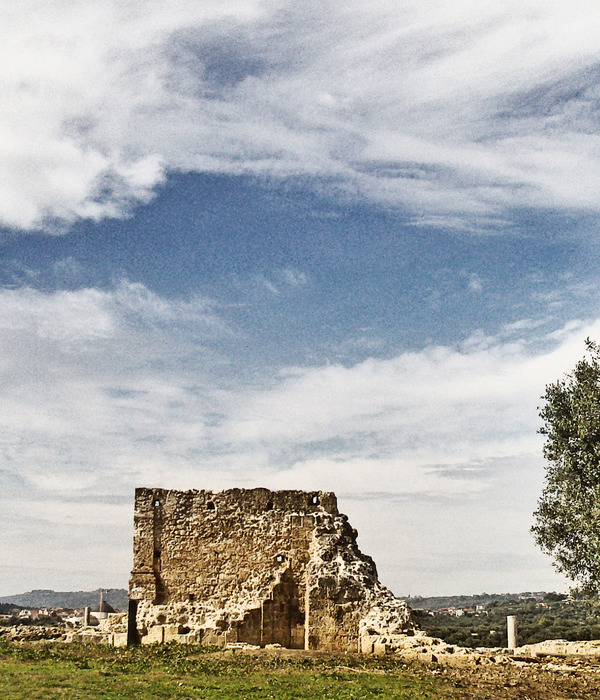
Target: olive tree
[{"x": 567, "y": 520}]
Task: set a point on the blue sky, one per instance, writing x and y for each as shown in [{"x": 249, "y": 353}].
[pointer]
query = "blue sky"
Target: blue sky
[{"x": 296, "y": 245}]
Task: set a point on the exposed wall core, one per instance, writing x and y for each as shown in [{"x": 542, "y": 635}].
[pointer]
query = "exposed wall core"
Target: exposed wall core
[{"x": 255, "y": 566}]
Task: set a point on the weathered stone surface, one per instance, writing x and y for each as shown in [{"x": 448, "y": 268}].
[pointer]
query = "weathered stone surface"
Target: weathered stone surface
[{"x": 257, "y": 567}]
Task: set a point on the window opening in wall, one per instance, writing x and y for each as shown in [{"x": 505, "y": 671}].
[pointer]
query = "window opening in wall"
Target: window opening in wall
[
  {"x": 156, "y": 503},
  {"x": 191, "y": 598},
  {"x": 270, "y": 505},
  {"x": 314, "y": 501},
  {"x": 210, "y": 505},
  {"x": 279, "y": 558}
]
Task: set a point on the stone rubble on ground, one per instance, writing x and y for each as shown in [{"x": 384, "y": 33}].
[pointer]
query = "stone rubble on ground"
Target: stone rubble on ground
[
  {"x": 33, "y": 633},
  {"x": 546, "y": 655}
]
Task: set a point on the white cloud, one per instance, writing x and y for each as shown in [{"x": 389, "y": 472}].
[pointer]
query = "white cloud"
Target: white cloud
[
  {"x": 458, "y": 114},
  {"x": 412, "y": 420},
  {"x": 62, "y": 316}
]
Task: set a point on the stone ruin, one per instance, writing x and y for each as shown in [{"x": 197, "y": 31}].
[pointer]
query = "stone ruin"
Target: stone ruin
[{"x": 258, "y": 567}]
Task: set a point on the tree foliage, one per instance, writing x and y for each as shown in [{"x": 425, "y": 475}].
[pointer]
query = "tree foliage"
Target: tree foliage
[{"x": 567, "y": 520}]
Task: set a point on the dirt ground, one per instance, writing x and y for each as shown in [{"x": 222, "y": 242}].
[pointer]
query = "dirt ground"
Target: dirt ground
[{"x": 535, "y": 679}]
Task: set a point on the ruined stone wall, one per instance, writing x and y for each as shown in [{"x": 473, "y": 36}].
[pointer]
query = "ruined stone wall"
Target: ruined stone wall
[{"x": 256, "y": 566}]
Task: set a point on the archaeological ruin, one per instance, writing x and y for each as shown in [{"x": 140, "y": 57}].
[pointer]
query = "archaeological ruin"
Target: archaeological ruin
[{"x": 255, "y": 566}]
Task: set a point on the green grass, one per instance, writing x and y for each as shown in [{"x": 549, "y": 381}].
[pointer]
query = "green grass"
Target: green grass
[{"x": 51, "y": 670}]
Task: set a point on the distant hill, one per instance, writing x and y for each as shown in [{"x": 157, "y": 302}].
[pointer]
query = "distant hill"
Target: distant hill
[
  {"x": 117, "y": 597},
  {"x": 468, "y": 601}
]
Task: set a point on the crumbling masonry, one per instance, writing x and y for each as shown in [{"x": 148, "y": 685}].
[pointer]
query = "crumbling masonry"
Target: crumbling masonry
[{"x": 255, "y": 566}]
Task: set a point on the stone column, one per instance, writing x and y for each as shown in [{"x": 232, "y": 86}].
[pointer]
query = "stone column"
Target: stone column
[{"x": 511, "y": 629}]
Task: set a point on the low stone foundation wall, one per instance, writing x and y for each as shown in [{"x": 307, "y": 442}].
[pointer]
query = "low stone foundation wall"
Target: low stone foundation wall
[
  {"x": 110, "y": 630},
  {"x": 33, "y": 633},
  {"x": 561, "y": 647}
]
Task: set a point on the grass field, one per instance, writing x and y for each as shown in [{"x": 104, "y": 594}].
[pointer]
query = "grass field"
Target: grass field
[{"x": 54, "y": 670}]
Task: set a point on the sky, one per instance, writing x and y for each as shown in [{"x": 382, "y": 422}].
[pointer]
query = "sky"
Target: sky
[{"x": 293, "y": 244}]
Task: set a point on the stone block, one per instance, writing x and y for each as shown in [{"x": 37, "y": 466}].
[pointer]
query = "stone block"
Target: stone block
[
  {"x": 120, "y": 639},
  {"x": 170, "y": 633},
  {"x": 214, "y": 638},
  {"x": 367, "y": 643},
  {"x": 155, "y": 635}
]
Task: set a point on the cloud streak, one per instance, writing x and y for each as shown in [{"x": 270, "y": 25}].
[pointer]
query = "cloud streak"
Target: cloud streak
[{"x": 459, "y": 117}]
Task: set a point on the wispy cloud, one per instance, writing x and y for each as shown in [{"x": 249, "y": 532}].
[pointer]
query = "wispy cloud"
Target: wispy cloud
[
  {"x": 91, "y": 375},
  {"x": 482, "y": 400},
  {"x": 457, "y": 116},
  {"x": 475, "y": 283},
  {"x": 276, "y": 283},
  {"x": 292, "y": 277}
]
